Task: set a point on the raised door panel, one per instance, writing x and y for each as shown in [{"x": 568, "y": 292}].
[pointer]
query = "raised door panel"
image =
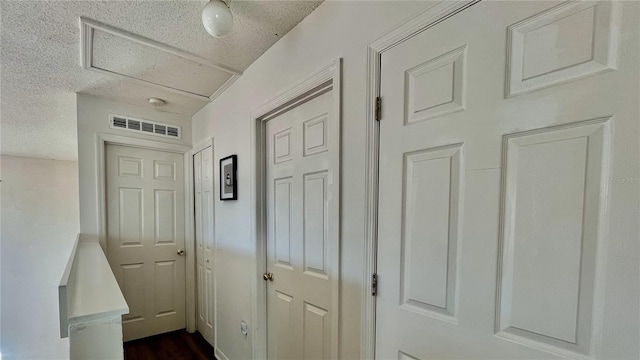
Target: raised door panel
[
  {"x": 131, "y": 280},
  {"x": 282, "y": 146},
  {"x": 208, "y": 298},
  {"x": 130, "y": 167},
  {"x": 197, "y": 179},
  {"x": 552, "y": 191},
  {"x": 281, "y": 326},
  {"x": 207, "y": 198},
  {"x": 202, "y": 306},
  {"x": 315, "y": 224},
  {"x": 435, "y": 87},
  {"x": 570, "y": 41},
  {"x": 315, "y": 135},
  {"x": 165, "y": 217},
  {"x": 166, "y": 279},
  {"x": 130, "y": 210},
  {"x": 315, "y": 332},
  {"x": 430, "y": 231},
  {"x": 282, "y": 226},
  {"x": 164, "y": 170}
]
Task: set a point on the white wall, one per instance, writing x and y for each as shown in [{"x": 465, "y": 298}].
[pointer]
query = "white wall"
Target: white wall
[
  {"x": 334, "y": 30},
  {"x": 93, "y": 118},
  {"x": 40, "y": 222}
]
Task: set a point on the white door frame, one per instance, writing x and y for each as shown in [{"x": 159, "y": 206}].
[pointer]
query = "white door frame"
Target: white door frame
[
  {"x": 329, "y": 77},
  {"x": 102, "y": 140},
  {"x": 423, "y": 21}
]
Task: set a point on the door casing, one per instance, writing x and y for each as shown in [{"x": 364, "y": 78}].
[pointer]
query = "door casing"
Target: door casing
[
  {"x": 101, "y": 143},
  {"x": 327, "y": 77}
]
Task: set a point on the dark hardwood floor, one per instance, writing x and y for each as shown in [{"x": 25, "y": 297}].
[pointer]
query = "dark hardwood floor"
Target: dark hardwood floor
[{"x": 170, "y": 346}]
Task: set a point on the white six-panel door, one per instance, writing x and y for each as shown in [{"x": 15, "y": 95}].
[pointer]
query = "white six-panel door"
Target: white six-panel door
[
  {"x": 145, "y": 231},
  {"x": 204, "y": 195},
  {"x": 508, "y": 206},
  {"x": 302, "y": 208}
]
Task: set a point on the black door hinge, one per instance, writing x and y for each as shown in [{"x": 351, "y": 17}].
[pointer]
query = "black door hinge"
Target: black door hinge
[
  {"x": 378, "y": 108},
  {"x": 374, "y": 284}
]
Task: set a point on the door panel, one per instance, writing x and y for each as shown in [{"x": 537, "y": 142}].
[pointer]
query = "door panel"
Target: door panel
[
  {"x": 145, "y": 229},
  {"x": 203, "y": 192},
  {"x": 302, "y": 208},
  {"x": 507, "y": 226}
]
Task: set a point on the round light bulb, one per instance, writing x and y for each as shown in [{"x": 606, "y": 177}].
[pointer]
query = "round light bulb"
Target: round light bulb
[{"x": 217, "y": 18}]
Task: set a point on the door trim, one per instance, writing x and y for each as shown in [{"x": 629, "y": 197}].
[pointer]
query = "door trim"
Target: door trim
[
  {"x": 101, "y": 142},
  {"x": 328, "y": 77},
  {"x": 423, "y": 21}
]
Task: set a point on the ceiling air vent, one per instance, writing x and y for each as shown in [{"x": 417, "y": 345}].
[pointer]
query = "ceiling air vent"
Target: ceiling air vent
[{"x": 145, "y": 126}]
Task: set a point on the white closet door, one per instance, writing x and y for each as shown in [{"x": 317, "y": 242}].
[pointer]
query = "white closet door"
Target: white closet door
[
  {"x": 302, "y": 207},
  {"x": 203, "y": 179},
  {"x": 145, "y": 233}
]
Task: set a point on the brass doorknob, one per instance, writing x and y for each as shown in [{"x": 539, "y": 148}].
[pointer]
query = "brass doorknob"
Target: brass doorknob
[
  {"x": 180, "y": 252},
  {"x": 267, "y": 276}
]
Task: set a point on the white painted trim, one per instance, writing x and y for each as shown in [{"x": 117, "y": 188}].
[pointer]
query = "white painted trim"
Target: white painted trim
[
  {"x": 87, "y": 28},
  {"x": 192, "y": 321},
  {"x": 219, "y": 354},
  {"x": 202, "y": 145},
  {"x": 101, "y": 142},
  {"x": 294, "y": 95},
  {"x": 423, "y": 21},
  {"x": 64, "y": 290}
]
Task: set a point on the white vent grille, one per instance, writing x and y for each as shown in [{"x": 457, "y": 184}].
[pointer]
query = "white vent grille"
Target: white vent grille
[{"x": 145, "y": 126}]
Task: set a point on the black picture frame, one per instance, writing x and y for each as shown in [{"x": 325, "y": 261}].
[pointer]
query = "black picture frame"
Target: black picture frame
[{"x": 229, "y": 167}]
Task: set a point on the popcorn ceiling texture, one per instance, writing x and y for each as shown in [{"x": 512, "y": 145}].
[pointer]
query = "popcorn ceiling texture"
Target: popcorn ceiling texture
[{"x": 40, "y": 60}]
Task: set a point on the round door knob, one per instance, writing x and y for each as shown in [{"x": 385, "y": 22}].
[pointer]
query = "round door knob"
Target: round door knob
[
  {"x": 180, "y": 252},
  {"x": 267, "y": 276}
]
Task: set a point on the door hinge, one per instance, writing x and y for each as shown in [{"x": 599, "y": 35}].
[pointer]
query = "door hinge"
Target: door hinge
[
  {"x": 378, "y": 108},
  {"x": 374, "y": 284}
]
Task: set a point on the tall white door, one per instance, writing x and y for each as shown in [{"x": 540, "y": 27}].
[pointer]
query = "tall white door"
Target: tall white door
[
  {"x": 302, "y": 210},
  {"x": 203, "y": 191},
  {"x": 509, "y": 146},
  {"x": 145, "y": 234}
]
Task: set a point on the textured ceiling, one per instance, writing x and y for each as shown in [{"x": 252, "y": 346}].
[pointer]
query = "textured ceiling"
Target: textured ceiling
[{"x": 40, "y": 59}]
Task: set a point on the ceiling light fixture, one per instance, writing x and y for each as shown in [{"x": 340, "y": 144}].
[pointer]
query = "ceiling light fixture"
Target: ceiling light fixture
[
  {"x": 156, "y": 101},
  {"x": 217, "y": 18}
]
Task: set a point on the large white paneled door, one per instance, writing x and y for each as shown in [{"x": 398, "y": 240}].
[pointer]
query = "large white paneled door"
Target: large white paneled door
[
  {"x": 203, "y": 201},
  {"x": 302, "y": 230},
  {"x": 508, "y": 203},
  {"x": 145, "y": 237}
]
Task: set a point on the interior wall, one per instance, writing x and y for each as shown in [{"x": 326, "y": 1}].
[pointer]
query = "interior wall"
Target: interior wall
[
  {"x": 93, "y": 118},
  {"x": 39, "y": 202},
  {"x": 334, "y": 30}
]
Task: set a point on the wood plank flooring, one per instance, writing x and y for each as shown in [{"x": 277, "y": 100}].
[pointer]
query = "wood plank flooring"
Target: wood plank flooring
[{"x": 174, "y": 345}]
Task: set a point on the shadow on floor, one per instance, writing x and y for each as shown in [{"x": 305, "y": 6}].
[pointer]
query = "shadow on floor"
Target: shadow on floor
[{"x": 175, "y": 345}]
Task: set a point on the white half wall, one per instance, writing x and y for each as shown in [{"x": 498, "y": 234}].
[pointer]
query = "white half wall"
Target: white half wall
[
  {"x": 39, "y": 202},
  {"x": 93, "y": 118},
  {"x": 334, "y": 30}
]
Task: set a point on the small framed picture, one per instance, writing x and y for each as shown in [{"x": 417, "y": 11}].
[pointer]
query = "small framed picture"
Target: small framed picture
[{"x": 228, "y": 181}]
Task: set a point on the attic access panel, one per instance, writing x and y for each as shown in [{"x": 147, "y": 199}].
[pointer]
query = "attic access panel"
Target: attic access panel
[{"x": 128, "y": 56}]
